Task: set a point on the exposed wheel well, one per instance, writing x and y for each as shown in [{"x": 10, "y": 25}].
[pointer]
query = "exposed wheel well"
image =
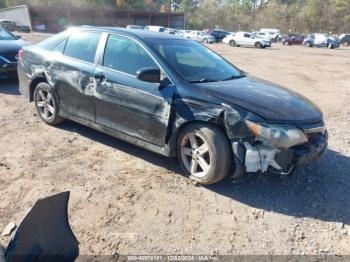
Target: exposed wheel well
[
  {"x": 181, "y": 127},
  {"x": 33, "y": 85}
]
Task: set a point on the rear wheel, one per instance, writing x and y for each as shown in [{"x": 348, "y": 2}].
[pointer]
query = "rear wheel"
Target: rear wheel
[
  {"x": 204, "y": 153},
  {"x": 258, "y": 45},
  {"x": 307, "y": 44},
  {"x": 346, "y": 43},
  {"x": 330, "y": 46},
  {"x": 205, "y": 41},
  {"x": 232, "y": 43},
  {"x": 46, "y": 104}
]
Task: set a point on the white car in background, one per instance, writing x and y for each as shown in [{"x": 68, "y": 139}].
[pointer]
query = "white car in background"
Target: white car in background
[
  {"x": 271, "y": 33},
  {"x": 200, "y": 37},
  {"x": 155, "y": 28},
  {"x": 266, "y": 35},
  {"x": 246, "y": 39}
]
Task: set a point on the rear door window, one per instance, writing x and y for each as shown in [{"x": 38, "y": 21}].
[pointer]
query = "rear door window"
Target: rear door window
[
  {"x": 126, "y": 55},
  {"x": 83, "y": 46},
  {"x": 59, "y": 48}
]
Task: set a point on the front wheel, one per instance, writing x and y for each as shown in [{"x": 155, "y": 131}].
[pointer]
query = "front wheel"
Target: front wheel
[
  {"x": 205, "y": 41},
  {"x": 232, "y": 43},
  {"x": 307, "y": 44},
  {"x": 258, "y": 45},
  {"x": 46, "y": 104},
  {"x": 330, "y": 46},
  {"x": 204, "y": 153}
]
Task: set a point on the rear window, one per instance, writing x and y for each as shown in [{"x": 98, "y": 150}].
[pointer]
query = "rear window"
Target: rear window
[
  {"x": 51, "y": 42},
  {"x": 83, "y": 46}
]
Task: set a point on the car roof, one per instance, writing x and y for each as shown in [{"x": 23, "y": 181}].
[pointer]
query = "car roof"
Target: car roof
[{"x": 137, "y": 33}]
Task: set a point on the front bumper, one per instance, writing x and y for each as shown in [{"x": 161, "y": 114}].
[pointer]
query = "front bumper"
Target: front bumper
[
  {"x": 259, "y": 158},
  {"x": 309, "y": 152}
]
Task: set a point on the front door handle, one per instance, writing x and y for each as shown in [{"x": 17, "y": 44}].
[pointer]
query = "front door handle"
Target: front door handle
[{"x": 100, "y": 77}]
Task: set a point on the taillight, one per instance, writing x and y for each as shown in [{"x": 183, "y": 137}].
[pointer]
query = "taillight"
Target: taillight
[{"x": 20, "y": 54}]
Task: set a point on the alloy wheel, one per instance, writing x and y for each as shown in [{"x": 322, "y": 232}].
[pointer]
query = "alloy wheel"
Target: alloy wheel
[
  {"x": 45, "y": 104},
  {"x": 195, "y": 155}
]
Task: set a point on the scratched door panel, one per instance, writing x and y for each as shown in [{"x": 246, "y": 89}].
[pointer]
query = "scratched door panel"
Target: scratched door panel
[
  {"x": 134, "y": 107},
  {"x": 74, "y": 87}
]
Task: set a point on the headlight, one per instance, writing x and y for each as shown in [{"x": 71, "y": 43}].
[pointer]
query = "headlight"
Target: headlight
[{"x": 277, "y": 136}]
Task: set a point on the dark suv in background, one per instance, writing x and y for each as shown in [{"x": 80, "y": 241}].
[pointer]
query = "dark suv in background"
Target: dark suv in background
[
  {"x": 345, "y": 39},
  {"x": 219, "y": 34}
]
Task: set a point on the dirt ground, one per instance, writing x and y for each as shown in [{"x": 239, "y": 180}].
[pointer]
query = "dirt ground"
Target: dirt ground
[{"x": 126, "y": 200}]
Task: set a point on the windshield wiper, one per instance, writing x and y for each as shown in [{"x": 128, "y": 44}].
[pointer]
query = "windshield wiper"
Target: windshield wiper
[
  {"x": 233, "y": 77},
  {"x": 204, "y": 80}
]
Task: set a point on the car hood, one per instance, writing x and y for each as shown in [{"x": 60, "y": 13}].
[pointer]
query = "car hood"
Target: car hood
[
  {"x": 274, "y": 103},
  {"x": 11, "y": 45}
]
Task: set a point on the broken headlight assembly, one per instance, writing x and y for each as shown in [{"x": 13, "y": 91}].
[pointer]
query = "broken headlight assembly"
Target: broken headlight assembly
[{"x": 278, "y": 136}]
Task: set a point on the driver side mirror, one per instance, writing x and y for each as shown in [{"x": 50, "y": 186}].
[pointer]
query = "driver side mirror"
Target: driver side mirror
[{"x": 151, "y": 75}]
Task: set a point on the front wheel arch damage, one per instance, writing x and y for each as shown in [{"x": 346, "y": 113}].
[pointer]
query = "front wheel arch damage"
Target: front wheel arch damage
[
  {"x": 218, "y": 142},
  {"x": 217, "y": 117}
]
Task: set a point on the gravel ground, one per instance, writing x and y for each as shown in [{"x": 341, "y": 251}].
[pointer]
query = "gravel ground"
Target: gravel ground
[{"x": 126, "y": 200}]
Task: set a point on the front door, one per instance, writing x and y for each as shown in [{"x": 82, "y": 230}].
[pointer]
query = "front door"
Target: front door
[{"x": 126, "y": 104}]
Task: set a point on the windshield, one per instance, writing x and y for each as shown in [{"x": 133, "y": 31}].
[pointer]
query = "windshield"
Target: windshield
[
  {"x": 193, "y": 61},
  {"x": 4, "y": 35}
]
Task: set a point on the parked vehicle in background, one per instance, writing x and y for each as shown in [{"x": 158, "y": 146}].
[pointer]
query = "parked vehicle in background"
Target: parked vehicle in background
[
  {"x": 23, "y": 28},
  {"x": 172, "y": 96},
  {"x": 246, "y": 39},
  {"x": 271, "y": 33},
  {"x": 265, "y": 35},
  {"x": 173, "y": 31},
  {"x": 293, "y": 39},
  {"x": 9, "y": 25},
  {"x": 219, "y": 34},
  {"x": 200, "y": 37},
  {"x": 321, "y": 40},
  {"x": 12, "y": 26},
  {"x": 135, "y": 27},
  {"x": 345, "y": 39},
  {"x": 154, "y": 28},
  {"x": 9, "y": 48}
]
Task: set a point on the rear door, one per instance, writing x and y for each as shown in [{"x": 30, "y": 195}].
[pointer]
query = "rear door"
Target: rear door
[
  {"x": 124, "y": 103},
  {"x": 73, "y": 72}
]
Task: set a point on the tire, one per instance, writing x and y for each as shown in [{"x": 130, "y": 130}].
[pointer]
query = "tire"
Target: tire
[
  {"x": 285, "y": 43},
  {"x": 205, "y": 41},
  {"x": 346, "y": 43},
  {"x": 200, "y": 142},
  {"x": 307, "y": 44},
  {"x": 232, "y": 43},
  {"x": 258, "y": 45},
  {"x": 330, "y": 46},
  {"x": 46, "y": 104}
]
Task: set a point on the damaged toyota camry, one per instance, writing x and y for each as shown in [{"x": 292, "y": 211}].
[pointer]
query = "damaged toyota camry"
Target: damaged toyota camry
[{"x": 172, "y": 96}]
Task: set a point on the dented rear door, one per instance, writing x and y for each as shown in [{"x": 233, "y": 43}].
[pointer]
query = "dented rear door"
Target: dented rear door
[{"x": 74, "y": 72}]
